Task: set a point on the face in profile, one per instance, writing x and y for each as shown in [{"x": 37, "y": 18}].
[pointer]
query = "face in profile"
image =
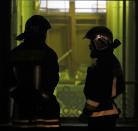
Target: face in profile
[{"x": 99, "y": 45}]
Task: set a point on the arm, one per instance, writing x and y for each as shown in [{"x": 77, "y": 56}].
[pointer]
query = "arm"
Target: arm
[
  {"x": 119, "y": 83},
  {"x": 51, "y": 75}
]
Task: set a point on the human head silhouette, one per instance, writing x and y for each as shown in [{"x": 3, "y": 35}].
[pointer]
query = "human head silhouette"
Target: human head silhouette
[
  {"x": 102, "y": 43},
  {"x": 36, "y": 27}
]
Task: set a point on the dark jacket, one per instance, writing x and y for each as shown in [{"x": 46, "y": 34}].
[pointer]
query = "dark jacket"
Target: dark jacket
[
  {"x": 98, "y": 85},
  {"x": 24, "y": 59},
  {"x": 36, "y": 74}
]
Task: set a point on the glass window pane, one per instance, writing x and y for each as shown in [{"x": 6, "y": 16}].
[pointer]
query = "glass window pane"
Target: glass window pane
[
  {"x": 85, "y": 4},
  {"x": 55, "y": 5},
  {"x": 42, "y": 4},
  {"x": 89, "y": 6},
  {"x": 101, "y": 10},
  {"x": 86, "y": 10},
  {"x": 58, "y": 4},
  {"x": 101, "y": 4}
]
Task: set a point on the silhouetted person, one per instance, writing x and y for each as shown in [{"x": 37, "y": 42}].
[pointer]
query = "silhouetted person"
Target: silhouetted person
[
  {"x": 36, "y": 70},
  {"x": 104, "y": 80}
]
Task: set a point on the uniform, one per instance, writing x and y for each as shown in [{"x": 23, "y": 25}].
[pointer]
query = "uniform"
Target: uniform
[
  {"x": 104, "y": 81},
  {"x": 36, "y": 70}
]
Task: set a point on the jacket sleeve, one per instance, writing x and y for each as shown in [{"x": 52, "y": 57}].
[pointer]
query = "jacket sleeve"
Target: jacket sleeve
[
  {"x": 52, "y": 75},
  {"x": 11, "y": 78},
  {"x": 120, "y": 84},
  {"x": 90, "y": 84}
]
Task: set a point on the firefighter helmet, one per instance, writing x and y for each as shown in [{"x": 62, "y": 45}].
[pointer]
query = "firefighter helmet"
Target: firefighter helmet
[
  {"x": 102, "y": 38},
  {"x": 36, "y": 24}
]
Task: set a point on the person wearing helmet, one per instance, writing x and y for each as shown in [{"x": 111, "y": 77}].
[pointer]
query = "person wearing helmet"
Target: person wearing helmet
[
  {"x": 36, "y": 69},
  {"x": 104, "y": 80}
]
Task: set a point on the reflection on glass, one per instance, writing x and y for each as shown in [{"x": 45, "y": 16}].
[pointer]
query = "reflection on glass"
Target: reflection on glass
[{"x": 66, "y": 38}]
